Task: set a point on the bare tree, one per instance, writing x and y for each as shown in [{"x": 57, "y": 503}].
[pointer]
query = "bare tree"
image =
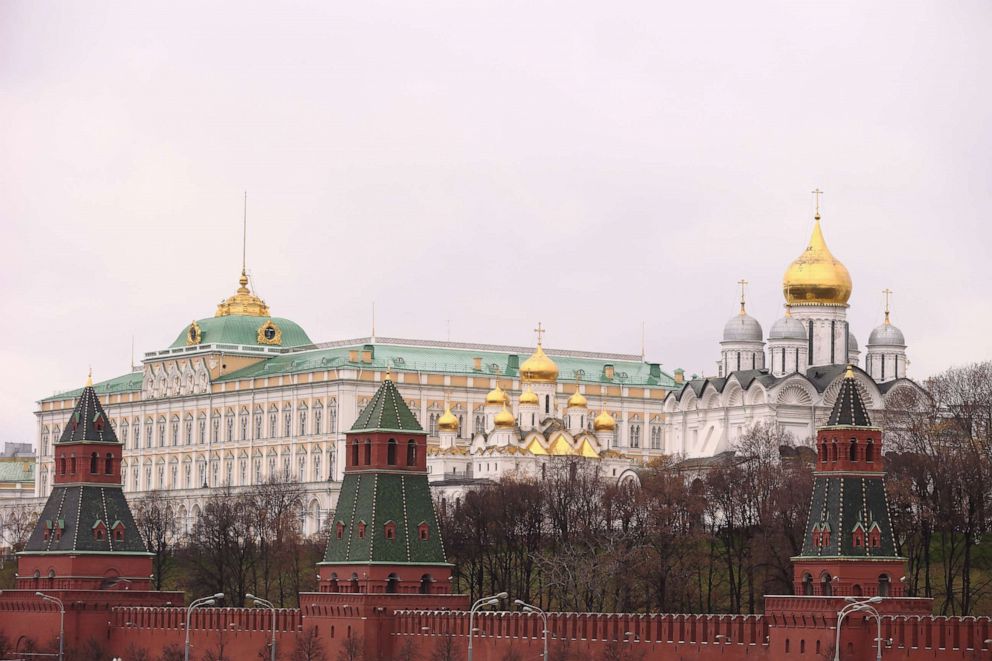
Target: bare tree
[
  {"x": 308, "y": 646},
  {"x": 158, "y": 528},
  {"x": 351, "y": 649}
]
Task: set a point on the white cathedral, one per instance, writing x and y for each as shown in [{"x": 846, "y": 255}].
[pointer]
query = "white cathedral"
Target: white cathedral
[{"x": 792, "y": 378}]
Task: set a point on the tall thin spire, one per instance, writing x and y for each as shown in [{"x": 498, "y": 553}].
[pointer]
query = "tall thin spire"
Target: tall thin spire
[
  {"x": 89, "y": 378},
  {"x": 244, "y": 238}
]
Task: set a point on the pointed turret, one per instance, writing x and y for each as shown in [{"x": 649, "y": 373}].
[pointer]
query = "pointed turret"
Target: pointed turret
[
  {"x": 849, "y": 548},
  {"x": 385, "y": 535},
  {"x": 86, "y": 531}
]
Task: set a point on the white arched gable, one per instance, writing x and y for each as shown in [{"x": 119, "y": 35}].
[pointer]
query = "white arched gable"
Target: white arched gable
[
  {"x": 733, "y": 394},
  {"x": 795, "y": 390},
  {"x": 688, "y": 401},
  {"x": 756, "y": 394},
  {"x": 870, "y": 393}
]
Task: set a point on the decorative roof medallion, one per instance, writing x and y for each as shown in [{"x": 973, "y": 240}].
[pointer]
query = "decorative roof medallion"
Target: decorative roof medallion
[
  {"x": 194, "y": 335},
  {"x": 269, "y": 333}
]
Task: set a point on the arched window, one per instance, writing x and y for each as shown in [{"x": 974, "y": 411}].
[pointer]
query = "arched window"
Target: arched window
[
  {"x": 884, "y": 585},
  {"x": 333, "y": 583},
  {"x": 826, "y": 585},
  {"x": 853, "y": 451},
  {"x": 368, "y": 451},
  {"x": 411, "y": 453},
  {"x": 72, "y": 464},
  {"x": 93, "y": 462},
  {"x": 354, "y": 582},
  {"x": 856, "y": 589},
  {"x": 391, "y": 582},
  {"x": 425, "y": 584},
  {"x": 391, "y": 452},
  {"x": 807, "y": 584},
  {"x": 108, "y": 464},
  {"x": 870, "y": 451},
  {"x": 354, "y": 453},
  {"x": 823, "y": 452},
  {"x": 62, "y": 465},
  {"x": 834, "y": 455}
]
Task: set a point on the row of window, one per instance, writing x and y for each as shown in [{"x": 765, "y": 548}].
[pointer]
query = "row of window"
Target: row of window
[
  {"x": 227, "y": 428},
  {"x": 388, "y": 530},
  {"x": 826, "y": 587},
  {"x": 391, "y": 445},
  {"x": 67, "y": 465}
]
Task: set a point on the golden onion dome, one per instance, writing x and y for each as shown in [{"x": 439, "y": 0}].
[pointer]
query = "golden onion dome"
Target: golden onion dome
[
  {"x": 504, "y": 419},
  {"x": 539, "y": 368},
  {"x": 816, "y": 276},
  {"x": 578, "y": 400},
  {"x": 448, "y": 421},
  {"x": 604, "y": 422},
  {"x": 497, "y": 396},
  {"x": 529, "y": 398},
  {"x": 243, "y": 302}
]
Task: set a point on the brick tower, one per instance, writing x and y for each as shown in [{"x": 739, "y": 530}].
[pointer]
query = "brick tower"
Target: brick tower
[
  {"x": 849, "y": 549},
  {"x": 86, "y": 538},
  {"x": 384, "y": 537}
]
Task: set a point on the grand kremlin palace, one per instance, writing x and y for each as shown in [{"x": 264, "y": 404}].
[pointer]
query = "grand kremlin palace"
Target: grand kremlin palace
[{"x": 243, "y": 396}]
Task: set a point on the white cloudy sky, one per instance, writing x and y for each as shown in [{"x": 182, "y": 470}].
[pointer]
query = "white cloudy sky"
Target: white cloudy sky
[{"x": 591, "y": 165}]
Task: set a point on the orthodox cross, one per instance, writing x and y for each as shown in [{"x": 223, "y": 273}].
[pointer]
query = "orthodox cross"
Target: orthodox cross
[
  {"x": 816, "y": 195},
  {"x": 887, "y": 293},
  {"x": 540, "y": 330},
  {"x": 743, "y": 283}
]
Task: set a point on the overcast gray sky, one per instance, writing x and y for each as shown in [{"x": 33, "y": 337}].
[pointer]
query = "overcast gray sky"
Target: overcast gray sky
[{"x": 591, "y": 165}]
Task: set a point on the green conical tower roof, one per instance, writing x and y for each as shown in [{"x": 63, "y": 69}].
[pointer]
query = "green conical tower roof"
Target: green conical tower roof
[{"x": 387, "y": 412}]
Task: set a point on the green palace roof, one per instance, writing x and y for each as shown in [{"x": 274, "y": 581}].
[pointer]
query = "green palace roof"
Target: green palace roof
[
  {"x": 13, "y": 470},
  {"x": 456, "y": 360},
  {"x": 405, "y": 356},
  {"x": 244, "y": 330}
]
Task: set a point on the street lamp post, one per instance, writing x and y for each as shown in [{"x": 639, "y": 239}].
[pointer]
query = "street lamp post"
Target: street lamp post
[
  {"x": 57, "y": 602},
  {"x": 528, "y": 608},
  {"x": 196, "y": 603},
  {"x": 485, "y": 601},
  {"x": 258, "y": 601},
  {"x": 854, "y": 606}
]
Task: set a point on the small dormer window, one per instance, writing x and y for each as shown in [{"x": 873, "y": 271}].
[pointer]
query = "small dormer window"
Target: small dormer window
[
  {"x": 361, "y": 530},
  {"x": 423, "y": 532},
  {"x": 340, "y": 530},
  {"x": 389, "y": 530}
]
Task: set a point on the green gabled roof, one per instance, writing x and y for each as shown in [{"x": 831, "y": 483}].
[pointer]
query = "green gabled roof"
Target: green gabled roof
[
  {"x": 407, "y": 356},
  {"x": 243, "y": 329},
  {"x": 376, "y": 499},
  {"x": 130, "y": 382},
  {"x": 387, "y": 411}
]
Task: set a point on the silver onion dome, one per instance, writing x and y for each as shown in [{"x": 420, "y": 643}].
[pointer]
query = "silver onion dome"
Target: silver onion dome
[
  {"x": 787, "y": 328},
  {"x": 852, "y": 342},
  {"x": 742, "y": 328},
  {"x": 887, "y": 335}
]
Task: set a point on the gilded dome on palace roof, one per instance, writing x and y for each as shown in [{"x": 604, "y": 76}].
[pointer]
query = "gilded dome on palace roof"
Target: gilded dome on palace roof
[
  {"x": 816, "y": 276},
  {"x": 243, "y": 302},
  {"x": 539, "y": 368}
]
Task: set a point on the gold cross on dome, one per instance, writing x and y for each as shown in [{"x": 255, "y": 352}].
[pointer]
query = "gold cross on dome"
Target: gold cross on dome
[
  {"x": 887, "y": 293},
  {"x": 743, "y": 283},
  {"x": 540, "y": 330},
  {"x": 816, "y": 195}
]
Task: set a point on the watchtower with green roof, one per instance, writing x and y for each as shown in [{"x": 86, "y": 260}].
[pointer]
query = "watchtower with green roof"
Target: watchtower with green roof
[
  {"x": 86, "y": 537},
  {"x": 849, "y": 549},
  {"x": 384, "y": 537}
]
